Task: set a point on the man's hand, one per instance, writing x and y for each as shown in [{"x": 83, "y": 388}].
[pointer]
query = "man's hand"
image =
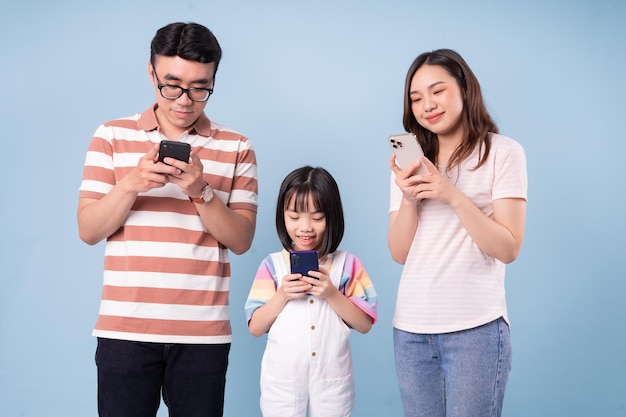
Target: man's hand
[
  {"x": 149, "y": 173},
  {"x": 188, "y": 176}
]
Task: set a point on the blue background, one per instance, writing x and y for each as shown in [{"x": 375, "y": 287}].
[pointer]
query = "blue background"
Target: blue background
[{"x": 321, "y": 82}]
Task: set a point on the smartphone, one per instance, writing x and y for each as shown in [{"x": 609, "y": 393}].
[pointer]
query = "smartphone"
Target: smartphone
[
  {"x": 407, "y": 150},
  {"x": 303, "y": 261},
  {"x": 176, "y": 150}
]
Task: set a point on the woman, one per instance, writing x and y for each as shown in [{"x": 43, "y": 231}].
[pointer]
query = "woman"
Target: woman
[{"x": 454, "y": 228}]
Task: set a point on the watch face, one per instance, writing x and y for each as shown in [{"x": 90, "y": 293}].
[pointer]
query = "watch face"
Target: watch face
[{"x": 207, "y": 194}]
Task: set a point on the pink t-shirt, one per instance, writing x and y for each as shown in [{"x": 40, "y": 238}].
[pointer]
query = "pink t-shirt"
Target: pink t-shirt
[{"x": 448, "y": 284}]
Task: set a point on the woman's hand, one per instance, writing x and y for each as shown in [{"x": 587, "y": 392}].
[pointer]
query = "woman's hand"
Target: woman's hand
[
  {"x": 407, "y": 180},
  {"x": 434, "y": 186},
  {"x": 403, "y": 222}
]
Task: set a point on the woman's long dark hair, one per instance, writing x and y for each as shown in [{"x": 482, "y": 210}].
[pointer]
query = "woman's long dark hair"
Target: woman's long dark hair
[{"x": 477, "y": 123}]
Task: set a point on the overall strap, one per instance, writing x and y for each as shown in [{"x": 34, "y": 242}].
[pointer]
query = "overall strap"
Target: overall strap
[
  {"x": 280, "y": 267},
  {"x": 336, "y": 270}
]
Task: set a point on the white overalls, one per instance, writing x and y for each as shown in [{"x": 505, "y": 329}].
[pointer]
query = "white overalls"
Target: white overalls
[{"x": 307, "y": 360}]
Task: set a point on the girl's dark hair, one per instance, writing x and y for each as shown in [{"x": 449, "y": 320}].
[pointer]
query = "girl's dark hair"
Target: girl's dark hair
[
  {"x": 324, "y": 192},
  {"x": 190, "y": 41},
  {"x": 477, "y": 122}
]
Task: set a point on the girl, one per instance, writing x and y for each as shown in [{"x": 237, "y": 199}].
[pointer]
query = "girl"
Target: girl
[
  {"x": 307, "y": 362},
  {"x": 454, "y": 228}
]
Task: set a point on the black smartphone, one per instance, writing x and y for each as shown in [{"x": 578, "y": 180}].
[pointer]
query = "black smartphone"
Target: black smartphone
[
  {"x": 176, "y": 150},
  {"x": 303, "y": 261}
]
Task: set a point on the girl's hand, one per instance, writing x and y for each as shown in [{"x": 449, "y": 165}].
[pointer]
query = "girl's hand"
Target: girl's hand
[
  {"x": 321, "y": 285},
  {"x": 294, "y": 286},
  {"x": 353, "y": 316}
]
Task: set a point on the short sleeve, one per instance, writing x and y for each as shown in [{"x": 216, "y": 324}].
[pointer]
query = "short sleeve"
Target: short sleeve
[
  {"x": 263, "y": 287},
  {"x": 358, "y": 287}
]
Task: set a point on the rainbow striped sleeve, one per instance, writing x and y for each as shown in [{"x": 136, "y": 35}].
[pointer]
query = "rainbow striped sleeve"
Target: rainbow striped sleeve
[
  {"x": 263, "y": 287},
  {"x": 358, "y": 287}
]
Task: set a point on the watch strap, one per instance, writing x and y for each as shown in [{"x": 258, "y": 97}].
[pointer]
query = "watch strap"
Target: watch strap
[{"x": 200, "y": 200}]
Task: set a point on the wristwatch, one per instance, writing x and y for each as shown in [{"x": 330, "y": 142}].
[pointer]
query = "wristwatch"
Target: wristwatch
[{"x": 206, "y": 195}]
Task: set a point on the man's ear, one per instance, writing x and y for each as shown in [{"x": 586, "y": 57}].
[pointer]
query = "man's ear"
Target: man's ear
[{"x": 151, "y": 74}]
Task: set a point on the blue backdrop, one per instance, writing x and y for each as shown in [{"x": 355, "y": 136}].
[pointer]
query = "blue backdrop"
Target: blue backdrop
[{"x": 320, "y": 82}]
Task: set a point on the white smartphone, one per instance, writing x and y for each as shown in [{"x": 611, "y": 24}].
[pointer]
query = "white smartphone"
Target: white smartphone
[{"x": 407, "y": 150}]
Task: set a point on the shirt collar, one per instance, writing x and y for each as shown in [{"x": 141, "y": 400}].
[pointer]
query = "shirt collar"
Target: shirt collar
[{"x": 148, "y": 121}]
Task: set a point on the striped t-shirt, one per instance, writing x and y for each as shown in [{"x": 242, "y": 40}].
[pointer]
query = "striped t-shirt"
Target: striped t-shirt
[
  {"x": 448, "y": 283},
  {"x": 166, "y": 279}
]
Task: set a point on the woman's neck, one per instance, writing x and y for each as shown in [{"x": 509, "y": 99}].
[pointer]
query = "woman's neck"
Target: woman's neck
[{"x": 447, "y": 145}]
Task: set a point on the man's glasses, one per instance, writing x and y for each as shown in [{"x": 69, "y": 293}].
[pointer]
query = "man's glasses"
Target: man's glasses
[{"x": 172, "y": 92}]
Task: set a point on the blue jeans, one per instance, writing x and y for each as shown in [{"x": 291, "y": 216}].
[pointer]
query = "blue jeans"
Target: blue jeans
[
  {"x": 459, "y": 374},
  {"x": 132, "y": 376}
]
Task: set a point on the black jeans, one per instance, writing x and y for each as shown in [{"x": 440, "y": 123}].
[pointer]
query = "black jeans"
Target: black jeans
[{"x": 132, "y": 375}]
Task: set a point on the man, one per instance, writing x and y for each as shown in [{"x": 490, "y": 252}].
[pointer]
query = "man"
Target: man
[{"x": 163, "y": 324}]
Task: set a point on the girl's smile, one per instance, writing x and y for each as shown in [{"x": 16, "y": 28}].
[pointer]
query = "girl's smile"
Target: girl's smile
[{"x": 305, "y": 225}]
